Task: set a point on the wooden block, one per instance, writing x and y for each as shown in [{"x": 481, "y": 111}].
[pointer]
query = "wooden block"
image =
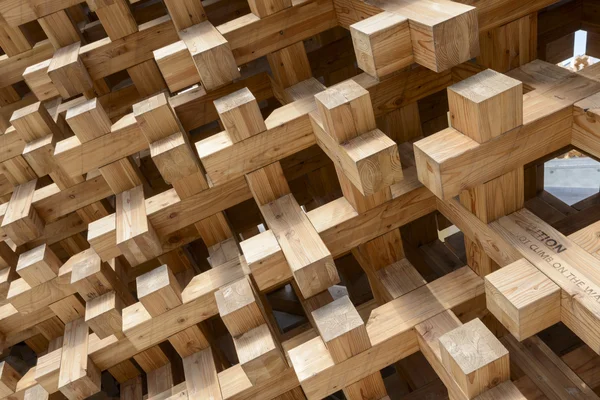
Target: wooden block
[
  {"x": 223, "y": 252},
  {"x": 9, "y": 378},
  {"x": 268, "y": 184},
  {"x": 21, "y": 222},
  {"x": 214, "y": 229},
  {"x": 152, "y": 358},
  {"x": 441, "y": 158},
  {"x": 36, "y": 77},
  {"x": 264, "y": 8},
  {"x": 175, "y": 159},
  {"x": 444, "y": 34},
  {"x": 176, "y": 66},
  {"x": 212, "y": 55},
  {"x": 147, "y": 78},
  {"x": 486, "y": 105},
  {"x": 380, "y": 252},
  {"x": 34, "y": 122},
  {"x": 398, "y": 279},
  {"x": 382, "y": 44},
  {"x": 201, "y": 377},
  {"x": 496, "y": 198},
  {"x": 89, "y": 276},
  {"x": 12, "y": 40},
  {"x": 474, "y": 358},
  {"x": 17, "y": 171},
  {"x": 306, "y": 88},
  {"x": 266, "y": 260},
  {"x": 259, "y": 354},
  {"x": 308, "y": 257},
  {"x": 69, "y": 309},
  {"x": 122, "y": 175},
  {"x": 67, "y": 72},
  {"x": 156, "y": 118},
  {"x": 346, "y": 110},
  {"x": 504, "y": 391},
  {"x": 428, "y": 334},
  {"x": 342, "y": 329},
  {"x": 158, "y": 290},
  {"x": 47, "y": 370},
  {"x": 290, "y": 65},
  {"x": 117, "y": 19},
  {"x": 159, "y": 380},
  {"x": 371, "y": 387},
  {"x": 523, "y": 299},
  {"x": 60, "y": 29},
  {"x": 36, "y": 392},
  {"x": 185, "y": 13},
  {"x": 88, "y": 120},
  {"x": 557, "y": 51},
  {"x": 38, "y": 265},
  {"x": 371, "y": 162},
  {"x": 103, "y": 315},
  {"x": 360, "y": 202},
  {"x": 511, "y": 45},
  {"x": 240, "y": 115},
  {"x": 131, "y": 389},
  {"x": 189, "y": 341},
  {"x": 102, "y": 237},
  {"x": 489, "y": 201},
  {"x": 39, "y": 154},
  {"x": 79, "y": 378},
  {"x": 177, "y": 260},
  {"x": 7, "y": 275},
  {"x": 135, "y": 235},
  {"x": 239, "y": 307}
]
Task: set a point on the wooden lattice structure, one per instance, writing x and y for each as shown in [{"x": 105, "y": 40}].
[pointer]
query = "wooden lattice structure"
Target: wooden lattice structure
[{"x": 246, "y": 199}]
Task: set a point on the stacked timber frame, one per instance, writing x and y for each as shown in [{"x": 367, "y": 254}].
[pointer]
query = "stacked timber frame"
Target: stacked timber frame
[{"x": 177, "y": 174}]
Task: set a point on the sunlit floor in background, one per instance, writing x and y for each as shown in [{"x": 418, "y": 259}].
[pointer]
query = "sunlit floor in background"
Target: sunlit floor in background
[{"x": 572, "y": 179}]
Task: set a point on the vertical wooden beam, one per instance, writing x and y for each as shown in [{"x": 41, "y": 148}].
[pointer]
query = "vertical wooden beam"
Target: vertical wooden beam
[
  {"x": 21, "y": 221},
  {"x": 12, "y": 39},
  {"x": 264, "y": 8},
  {"x": 135, "y": 235},
  {"x": 509, "y": 46},
  {"x": 185, "y": 13},
  {"x": 239, "y": 307},
  {"x": 382, "y": 44},
  {"x": 104, "y": 315},
  {"x": 79, "y": 378},
  {"x": 9, "y": 378},
  {"x": 37, "y": 78},
  {"x": 211, "y": 54},
  {"x": 201, "y": 377},
  {"x": 116, "y": 17},
  {"x": 309, "y": 259},
  {"x": 345, "y": 335},
  {"x": 147, "y": 77},
  {"x": 260, "y": 354},
  {"x": 158, "y": 290},
  {"x": 490, "y": 201},
  {"x": 38, "y": 265},
  {"x": 290, "y": 65},
  {"x": 69, "y": 75},
  {"x": 60, "y": 29},
  {"x": 240, "y": 115}
]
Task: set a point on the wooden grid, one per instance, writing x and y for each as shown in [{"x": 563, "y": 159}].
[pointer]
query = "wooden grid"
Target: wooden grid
[{"x": 176, "y": 174}]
